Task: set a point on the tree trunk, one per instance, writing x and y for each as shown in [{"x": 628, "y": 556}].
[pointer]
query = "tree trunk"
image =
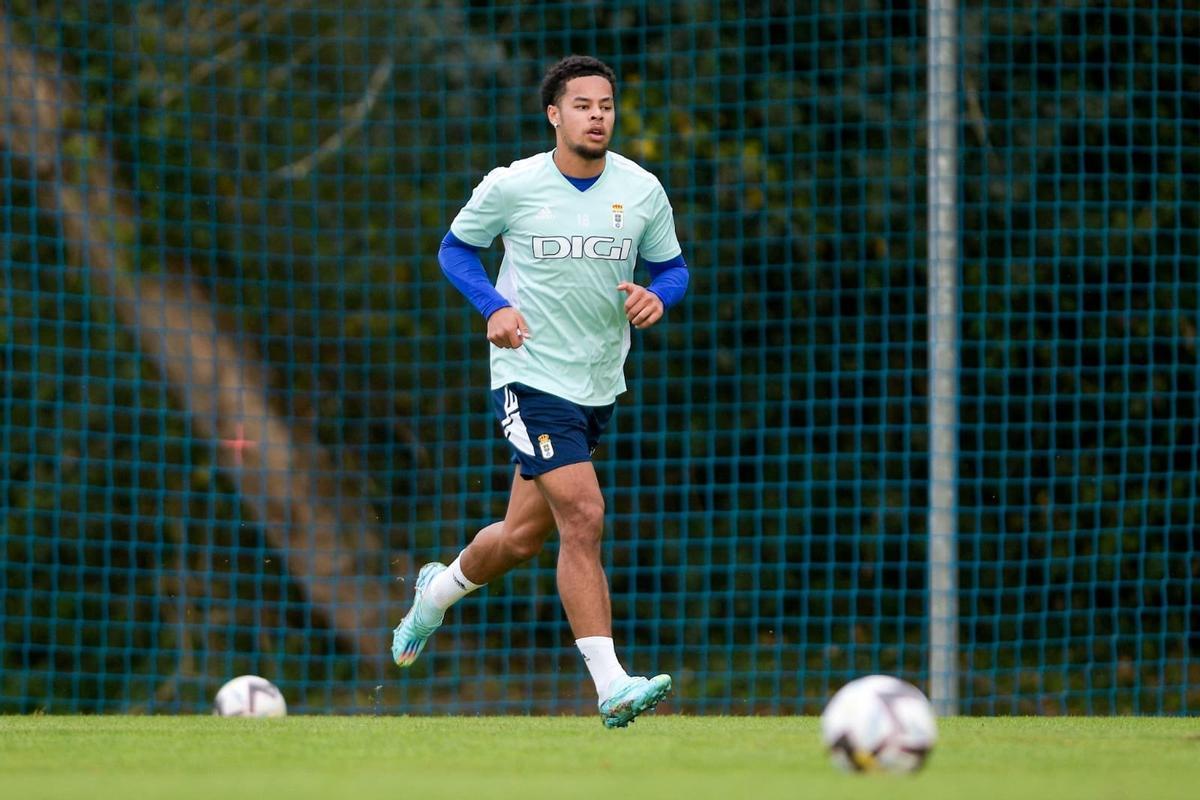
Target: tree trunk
[{"x": 288, "y": 482}]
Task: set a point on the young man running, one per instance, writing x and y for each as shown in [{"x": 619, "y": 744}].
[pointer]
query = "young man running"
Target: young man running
[{"x": 574, "y": 221}]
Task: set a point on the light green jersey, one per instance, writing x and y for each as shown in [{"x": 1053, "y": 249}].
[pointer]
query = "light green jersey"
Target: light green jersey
[{"x": 565, "y": 251}]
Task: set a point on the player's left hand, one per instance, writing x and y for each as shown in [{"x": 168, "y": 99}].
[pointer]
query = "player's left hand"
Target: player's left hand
[{"x": 642, "y": 306}]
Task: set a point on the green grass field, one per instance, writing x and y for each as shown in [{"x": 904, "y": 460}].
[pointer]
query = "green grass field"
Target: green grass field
[{"x": 568, "y": 757}]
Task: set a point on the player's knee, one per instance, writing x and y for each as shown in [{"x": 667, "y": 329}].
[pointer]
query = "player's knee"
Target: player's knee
[
  {"x": 582, "y": 521},
  {"x": 524, "y": 548},
  {"x": 523, "y": 539}
]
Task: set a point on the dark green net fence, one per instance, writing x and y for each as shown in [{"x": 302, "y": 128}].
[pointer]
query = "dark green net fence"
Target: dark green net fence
[{"x": 241, "y": 405}]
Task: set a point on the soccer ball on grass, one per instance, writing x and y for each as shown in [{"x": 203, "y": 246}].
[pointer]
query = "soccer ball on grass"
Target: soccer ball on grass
[
  {"x": 879, "y": 724},
  {"x": 249, "y": 696}
]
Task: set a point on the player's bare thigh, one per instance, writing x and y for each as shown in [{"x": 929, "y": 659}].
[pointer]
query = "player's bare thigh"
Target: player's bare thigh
[
  {"x": 573, "y": 494},
  {"x": 529, "y": 520}
]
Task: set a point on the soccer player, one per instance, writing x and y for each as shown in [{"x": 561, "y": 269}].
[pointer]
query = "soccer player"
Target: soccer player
[{"x": 574, "y": 221}]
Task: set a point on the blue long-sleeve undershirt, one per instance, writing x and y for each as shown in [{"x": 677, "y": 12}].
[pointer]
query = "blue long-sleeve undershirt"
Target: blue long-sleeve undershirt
[
  {"x": 668, "y": 280},
  {"x": 461, "y": 265}
]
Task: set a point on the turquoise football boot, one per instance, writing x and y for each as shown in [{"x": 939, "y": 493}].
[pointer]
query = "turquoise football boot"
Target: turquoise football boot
[
  {"x": 632, "y": 697},
  {"x": 410, "y": 635}
]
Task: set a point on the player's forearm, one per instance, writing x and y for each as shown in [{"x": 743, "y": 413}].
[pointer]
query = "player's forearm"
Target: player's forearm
[
  {"x": 461, "y": 265},
  {"x": 668, "y": 280}
]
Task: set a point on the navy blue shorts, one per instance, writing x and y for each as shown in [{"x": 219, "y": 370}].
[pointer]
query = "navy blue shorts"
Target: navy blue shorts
[{"x": 546, "y": 432}]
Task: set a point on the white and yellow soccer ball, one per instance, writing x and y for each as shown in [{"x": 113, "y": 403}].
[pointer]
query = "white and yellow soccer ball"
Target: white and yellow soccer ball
[
  {"x": 879, "y": 724},
  {"x": 249, "y": 696}
]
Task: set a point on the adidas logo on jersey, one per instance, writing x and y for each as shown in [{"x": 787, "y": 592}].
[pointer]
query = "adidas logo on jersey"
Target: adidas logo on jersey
[{"x": 545, "y": 213}]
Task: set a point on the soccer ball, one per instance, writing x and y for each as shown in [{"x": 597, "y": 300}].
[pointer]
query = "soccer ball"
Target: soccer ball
[
  {"x": 249, "y": 696},
  {"x": 879, "y": 724}
]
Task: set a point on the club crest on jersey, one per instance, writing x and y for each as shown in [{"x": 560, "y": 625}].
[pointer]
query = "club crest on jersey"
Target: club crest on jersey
[
  {"x": 547, "y": 447},
  {"x": 618, "y": 215}
]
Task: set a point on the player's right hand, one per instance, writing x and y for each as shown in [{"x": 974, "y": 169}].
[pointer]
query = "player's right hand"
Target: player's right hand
[{"x": 507, "y": 328}]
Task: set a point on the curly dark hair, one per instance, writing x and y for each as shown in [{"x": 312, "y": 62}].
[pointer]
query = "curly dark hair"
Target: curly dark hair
[{"x": 555, "y": 82}]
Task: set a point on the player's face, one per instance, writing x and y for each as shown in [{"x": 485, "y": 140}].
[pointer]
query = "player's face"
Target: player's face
[{"x": 585, "y": 115}]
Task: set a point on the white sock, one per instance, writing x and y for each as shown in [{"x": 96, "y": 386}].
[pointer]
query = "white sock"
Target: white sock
[
  {"x": 601, "y": 659},
  {"x": 445, "y": 590}
]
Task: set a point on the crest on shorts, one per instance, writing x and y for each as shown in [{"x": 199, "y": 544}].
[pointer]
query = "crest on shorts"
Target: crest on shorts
[
  {"x": 618, "y": 211},
  {"x": 546, "y": 446}
]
